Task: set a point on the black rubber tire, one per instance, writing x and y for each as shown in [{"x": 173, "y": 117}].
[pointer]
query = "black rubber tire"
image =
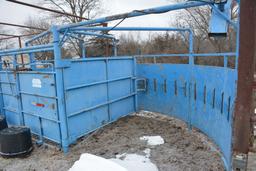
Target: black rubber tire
[
  {"x": 15, "y": 141},
  {"x": 3, "y": 123}
]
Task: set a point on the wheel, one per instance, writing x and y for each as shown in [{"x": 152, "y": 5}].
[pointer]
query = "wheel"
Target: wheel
[
  {"x": 15, "y": 141},
  {"x": 3, "y": 123}
]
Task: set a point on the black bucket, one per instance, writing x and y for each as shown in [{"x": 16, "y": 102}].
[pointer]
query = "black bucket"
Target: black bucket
[
  {"x": 3, "y": 123},
  {"x": 15, "y": 142}
]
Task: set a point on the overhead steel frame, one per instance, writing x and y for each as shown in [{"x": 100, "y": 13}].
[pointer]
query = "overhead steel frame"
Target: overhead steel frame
[{"x": 80, "y": 28}]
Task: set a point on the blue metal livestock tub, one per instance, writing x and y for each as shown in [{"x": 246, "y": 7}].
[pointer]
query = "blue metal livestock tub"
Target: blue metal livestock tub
[{"x": 64, "y": 99}]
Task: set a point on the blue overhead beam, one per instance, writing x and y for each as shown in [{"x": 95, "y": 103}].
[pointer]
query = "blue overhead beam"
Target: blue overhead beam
[
  {"x": 130, "y": 29},
  {"x": 45, "y": 33},
  {"x": 136, "y": 13},
  {"x": 94, "y": 34}
]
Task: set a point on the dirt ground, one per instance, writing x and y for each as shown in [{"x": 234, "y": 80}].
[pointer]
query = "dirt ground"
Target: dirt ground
[{"x": 183, "y": 150}]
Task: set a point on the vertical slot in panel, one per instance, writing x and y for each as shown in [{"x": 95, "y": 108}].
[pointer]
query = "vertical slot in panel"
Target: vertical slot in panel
[
  {"x": 205, "y": 94},
  {"x": 195, "y": 92},
  {"x": 222, "y": 102},
  {"x": 155, "y": 85},
  {"x": 229, "y": 101},
  {"x": 175, "y": 88},
  {"x": 185, "y": 89},
  {"x": 165, "y": 86},
  {"x": 213, "y": 98}
]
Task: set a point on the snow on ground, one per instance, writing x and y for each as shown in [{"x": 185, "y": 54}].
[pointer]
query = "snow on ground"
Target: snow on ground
[
  {"x": 89, "y": 162},
  {"x": 182, "y": 149},
  {"x": 153, "y": 140},
  {"x": 123, "y": 162},
  {"x": 135, "y": 162}
]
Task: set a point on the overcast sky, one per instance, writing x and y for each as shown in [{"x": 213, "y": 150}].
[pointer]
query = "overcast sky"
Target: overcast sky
[
  {"x": 10, "y": 12},
  {"x": 18, "y": 14}
]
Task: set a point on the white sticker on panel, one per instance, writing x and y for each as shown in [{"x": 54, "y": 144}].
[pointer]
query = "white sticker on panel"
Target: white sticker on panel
[{"x": 36, "y": 83}]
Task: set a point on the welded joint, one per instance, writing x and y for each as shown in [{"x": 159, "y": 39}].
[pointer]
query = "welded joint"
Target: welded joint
[{"x": 63, "y": 37}]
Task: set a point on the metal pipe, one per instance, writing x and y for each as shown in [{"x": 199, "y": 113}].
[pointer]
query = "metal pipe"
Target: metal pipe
[
  {"x": 22, "y": 26},
  {"x": 60, "y": 90},
  {"x": 27, "y": 49},
  {"x": 6, "y": 38},
  {"x": 115, "y": 47},
  {"x": 136, "y": 13},
  {"x": 20, "y": 46},
  {"x": 130, "y": 29},
  {"x": 3, "y": 34},
  {"x": 37, "y": 37},
  {"x": 84, "y": 51},
  {"x": 79, "y": 31},
  {"x": 15, "y": 36},
  {"x": 46, "y": 9},
  {"x": 93, "y": 34}
]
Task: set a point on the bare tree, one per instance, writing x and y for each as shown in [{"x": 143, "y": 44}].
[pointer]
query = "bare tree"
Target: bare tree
[
  {"x": 82, "y": 8},
  {"x": 6, "y": 43},
  {"x": 198, "y": 20},
  {"x": 42, "y": 24}
]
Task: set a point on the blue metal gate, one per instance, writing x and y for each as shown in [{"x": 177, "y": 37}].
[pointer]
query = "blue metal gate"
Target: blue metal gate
[{"x": 98, "y": 91}]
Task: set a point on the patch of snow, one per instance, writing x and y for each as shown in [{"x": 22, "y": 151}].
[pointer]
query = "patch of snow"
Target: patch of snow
[
  {"x": 147, "y": 152},
  {"x": 153, "y": 140},
  {"x": 89, "y": 162},
  {"x": 122, "y": 162},
  {"x": 135, "y": 162}
]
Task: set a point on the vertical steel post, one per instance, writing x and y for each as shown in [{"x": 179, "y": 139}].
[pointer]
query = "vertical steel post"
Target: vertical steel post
[
  {"x": 135, "y": 84},
  {"x": 84, "y": 51},
  {"x": 18, "y": 94},
  {"x": 31, "y": 58},
  {"x": 1, "y": 95},
  {"x": 81, "y": 44},
  {"x": 191, "y": 48},
  {"x": 60, "y": 89},
  {"x": 191, "y": 65},
  {"x": 243, "y": 107},
  {"x": 115, "y": 47},
  {"x": 107, "y": 85},
  {"x": 21, "y": 55},
  {"x": 225, "y": 62}
]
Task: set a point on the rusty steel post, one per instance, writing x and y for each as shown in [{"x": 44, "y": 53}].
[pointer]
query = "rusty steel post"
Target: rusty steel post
[
  {"x": 243, "y": 107},
  {"x": 21, "y": 55}
]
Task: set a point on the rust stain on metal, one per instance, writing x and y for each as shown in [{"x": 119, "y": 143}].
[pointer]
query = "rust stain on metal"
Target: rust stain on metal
[
  {"x": 116, "y": 17},
  {"x": 243, "y": 108},
  {"x": 46, "y": 76}
]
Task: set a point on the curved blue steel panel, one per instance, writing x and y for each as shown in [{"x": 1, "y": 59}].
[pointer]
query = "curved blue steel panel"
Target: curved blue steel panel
[{"x": 202, "y": 96}]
